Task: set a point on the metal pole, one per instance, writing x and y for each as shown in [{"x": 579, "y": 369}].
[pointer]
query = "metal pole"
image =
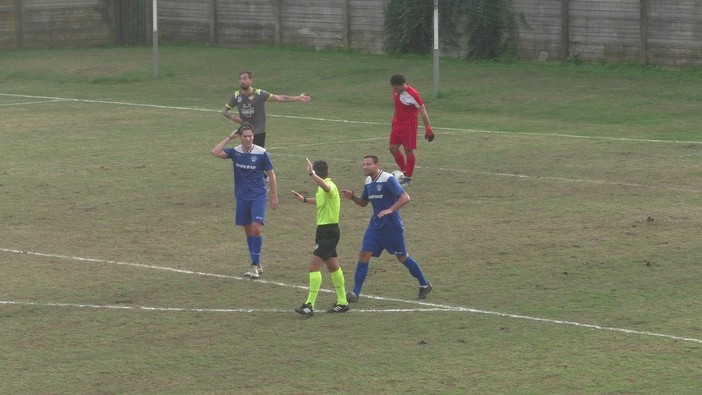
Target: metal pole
[
  {"x": 436, "y": 48},
  {"x": 19, "y": 25},
  {"x": 154, "y": 71}
]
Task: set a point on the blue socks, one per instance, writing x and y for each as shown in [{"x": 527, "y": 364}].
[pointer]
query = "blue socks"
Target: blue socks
[
  {"x": 255, "y": 245},
  {"x": 359, "y": 277},
  {"x": 415, "y": 271},
  {"x": 362, "y": 272}
]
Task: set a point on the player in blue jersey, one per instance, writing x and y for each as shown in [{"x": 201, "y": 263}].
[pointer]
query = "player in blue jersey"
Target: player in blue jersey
[
  {"x": 250, "y": 163},
  {"x": 385, "y": 230}
]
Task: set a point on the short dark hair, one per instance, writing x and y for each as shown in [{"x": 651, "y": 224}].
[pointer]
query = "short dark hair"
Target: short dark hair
[
  {"x": 248, "y": 73},
  {"x": 245, "y": 126},
  {"x": 321, "y": 168},
  {"x": 375, "y": 158},
  {"x": 397, "y": 79}
]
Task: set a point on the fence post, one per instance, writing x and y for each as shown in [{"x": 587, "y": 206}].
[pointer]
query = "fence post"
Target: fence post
[
  {"x": 278, "y": 12},
  {"x": 436, "y": 47},
  {"x": 19, "y": 25},
  {"x": 345, "y": 25},
  {"x": 565, "y": 29},
  {"x": 154, "y": 40},
  {"x": 213, "y": 22},
  {"x": 645, "y": 6}
]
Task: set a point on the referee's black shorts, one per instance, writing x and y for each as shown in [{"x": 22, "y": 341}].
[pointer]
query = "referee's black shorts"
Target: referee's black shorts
[{"x": 325, "y": 240}]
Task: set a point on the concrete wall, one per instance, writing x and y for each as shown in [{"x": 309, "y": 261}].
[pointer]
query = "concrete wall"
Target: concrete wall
[
  {"x": 674, "y": 33},
  {"x": 659, "y": 32},
  {"x": 57, "y": 23},
  {"x": 321, "y": 24}
]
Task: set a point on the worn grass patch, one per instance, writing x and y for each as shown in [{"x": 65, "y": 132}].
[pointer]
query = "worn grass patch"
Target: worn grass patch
[{"x": 557, "y": 215}]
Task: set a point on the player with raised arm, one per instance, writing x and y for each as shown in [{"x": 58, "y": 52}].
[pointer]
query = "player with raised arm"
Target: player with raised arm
[
  {"x": 251, "y": 105},
  {"x": 250, "y": 163},
  {"x": 328, "y": 203}
]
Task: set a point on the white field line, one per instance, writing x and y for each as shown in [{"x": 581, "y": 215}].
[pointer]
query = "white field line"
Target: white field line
[
  {"x": 448, "y": 131},
  {"x": 506, "y": 175},
  {"x": 576, "y": 180},
  {"x": 197, "y": 310},
  {"x": 428, "y": 307},
  {"x": 563, "y": 135},
  {"x": 30, "y": 102},
  {"x": 573, "y": 136}
]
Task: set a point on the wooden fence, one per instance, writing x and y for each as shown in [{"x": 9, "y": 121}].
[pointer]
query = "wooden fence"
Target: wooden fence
[
  {"x": 660, "y": 32},
  {"x": 320, "y": 24},
  {"x": 667, "y": 33}
]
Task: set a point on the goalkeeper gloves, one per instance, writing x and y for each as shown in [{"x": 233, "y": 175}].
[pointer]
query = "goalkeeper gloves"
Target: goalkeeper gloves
[{"x": 429, "y": 134}]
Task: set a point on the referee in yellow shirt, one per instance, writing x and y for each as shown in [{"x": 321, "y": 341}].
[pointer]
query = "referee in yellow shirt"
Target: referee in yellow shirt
[{"x": 328, "y": 202}]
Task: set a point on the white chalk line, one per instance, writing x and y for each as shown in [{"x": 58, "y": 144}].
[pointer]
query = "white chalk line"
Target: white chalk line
[
  {"x": 508, "y": 175},
  {"x": 633, "y": 185},
  {"x": 198, "y": 310},
  {"x": 449, "y": 130},
  {"x": 574, "y": 136},
  {"x": 576, "y": 180},
  {"x": 49, "y": 99},
  {"x": 563, "y": 135},
  {"x": 30, "y": 102},
  {"x": 428, "y": 306}
]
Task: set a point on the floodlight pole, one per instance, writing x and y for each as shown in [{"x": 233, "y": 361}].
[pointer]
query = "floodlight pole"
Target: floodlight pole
[
  {"x": 436, "y": 48},
  {"x": 154, "y": 71}
]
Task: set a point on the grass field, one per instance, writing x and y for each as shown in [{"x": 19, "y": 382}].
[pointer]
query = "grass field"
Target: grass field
[{"x": 558, "y": 215}]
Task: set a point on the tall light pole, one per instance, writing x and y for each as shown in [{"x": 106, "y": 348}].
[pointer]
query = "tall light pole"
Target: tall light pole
[
  {"x": 436, "y": 48},
  {"x": 154, "y": 70}
]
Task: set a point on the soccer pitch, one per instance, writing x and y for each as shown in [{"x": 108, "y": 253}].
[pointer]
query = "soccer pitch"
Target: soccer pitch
[{"x": 557, "y": 215}]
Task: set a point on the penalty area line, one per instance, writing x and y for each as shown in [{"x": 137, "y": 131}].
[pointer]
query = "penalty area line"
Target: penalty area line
[
  {"x": 428, "y": 306},
  {"x": 198, "y": 310},
  {"x": 29, "y": 103},
  {"x": 445, "y": 130}
]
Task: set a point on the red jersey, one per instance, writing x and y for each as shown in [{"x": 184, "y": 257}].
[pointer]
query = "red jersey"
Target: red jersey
[{"x": 407, "y": 106}]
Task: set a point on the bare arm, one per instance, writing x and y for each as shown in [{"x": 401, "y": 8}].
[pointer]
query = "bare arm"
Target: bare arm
[
  {"x": 281, "y": 98},
  {"x": 274, "y": 189},
  {"x": 303, "y": 198},
  {"x": 425, "y": 117},
  {"x": 317, "y": 179},
  {"x": 428, "y": 133},
  {"x": 401, "y": 202},
  {"x": 218, "y": 150},
  {"x": 227, "y": 114},
  {"x": 348, "y": 194}
]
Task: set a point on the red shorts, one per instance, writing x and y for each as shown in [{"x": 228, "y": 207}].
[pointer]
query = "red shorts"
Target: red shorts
[{"x": 404, "y": 134}]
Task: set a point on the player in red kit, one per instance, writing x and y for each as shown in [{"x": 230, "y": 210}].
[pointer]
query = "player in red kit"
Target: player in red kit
[{"x": 408, "y": 104}]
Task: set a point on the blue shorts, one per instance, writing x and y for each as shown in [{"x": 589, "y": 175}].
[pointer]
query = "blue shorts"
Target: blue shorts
[
  {"x": 376, "y": 242},
  {"x": 250, "y": 211}
]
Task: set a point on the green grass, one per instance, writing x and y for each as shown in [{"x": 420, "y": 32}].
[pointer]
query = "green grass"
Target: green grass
[{"x": 557, "y": 213}]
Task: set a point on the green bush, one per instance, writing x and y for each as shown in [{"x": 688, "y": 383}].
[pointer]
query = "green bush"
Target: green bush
[
  {"x": 487, "y": 25},
  {"x": 408, "y": 26}
]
